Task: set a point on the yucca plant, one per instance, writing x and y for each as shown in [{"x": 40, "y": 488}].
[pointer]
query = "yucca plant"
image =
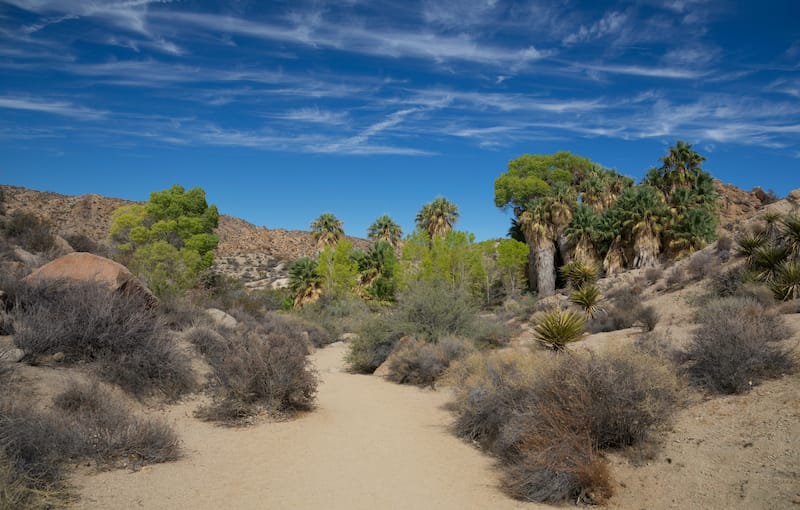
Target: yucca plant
[
  {"x": 559, "y": 327},
  {"x": 579, "y": 274},
  {"x": 787, "y": 281},
  {"x": 766, "y": 261},
  {"x": 791, "y": 235},
  {"x": 748, "y": 244},
  {"x": 772, "y": 224},
  {"x": 587, "y": 298}
]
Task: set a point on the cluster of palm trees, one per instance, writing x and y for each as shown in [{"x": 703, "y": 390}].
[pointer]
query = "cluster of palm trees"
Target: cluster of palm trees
[
  {"x": 377, "y": 265},
  {"x": 569, "y": 208}
]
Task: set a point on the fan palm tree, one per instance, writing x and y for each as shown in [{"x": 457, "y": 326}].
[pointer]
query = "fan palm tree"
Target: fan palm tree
[
  {"x": 437, "y": 217},
  {"x": 327, "y": 230},
  {"x": 304, "y": 281},
  {"x": 680, "y": 167},
  {"x": 644, "y": 216},
  {"x": 582, "y": 232},
  {"x": 385, "y": 229}
]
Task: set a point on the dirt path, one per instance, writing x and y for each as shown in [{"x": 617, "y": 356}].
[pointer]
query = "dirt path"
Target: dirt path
[{"x": 369, "y": 445}]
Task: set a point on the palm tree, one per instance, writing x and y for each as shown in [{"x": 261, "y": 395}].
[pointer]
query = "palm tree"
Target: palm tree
[
  {"x": 679, "y": 168},
  {"x": 327, "y": 230},
  {"x": 438, "y": 217},
  {"x": 385, "y": 229},
  {"x": 644, "y": 216},
  {"x": 536, "y": 224},
  {"x": 304, "y": 281},
  {"x": 581, "y": 233}
]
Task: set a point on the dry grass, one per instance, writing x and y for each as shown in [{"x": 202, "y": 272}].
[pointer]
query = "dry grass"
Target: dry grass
[{"x": 422, "y": 363}]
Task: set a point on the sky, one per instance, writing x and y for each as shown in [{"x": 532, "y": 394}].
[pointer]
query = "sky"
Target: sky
[{"x": 285, "y": 110}]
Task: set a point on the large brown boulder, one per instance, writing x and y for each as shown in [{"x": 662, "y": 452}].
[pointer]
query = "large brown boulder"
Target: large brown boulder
[{"x": 87, "y": 267}]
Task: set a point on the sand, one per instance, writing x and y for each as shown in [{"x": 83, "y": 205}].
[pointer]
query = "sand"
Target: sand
[{"x": 369, "y": 444}]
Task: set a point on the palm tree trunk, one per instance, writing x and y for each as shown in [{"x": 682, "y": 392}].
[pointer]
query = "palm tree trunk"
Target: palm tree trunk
[
  {"x": 615, "y": 258},
  {"x": 646, "y": 247},
  {"x": 586, "y": 252},
  {"x": 545, "y": 255}
]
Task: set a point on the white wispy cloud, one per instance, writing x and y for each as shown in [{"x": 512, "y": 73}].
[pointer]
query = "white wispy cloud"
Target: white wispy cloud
[
  {"x": 54, "y": 107},
  {"x": 611, "y": 23},
  {"x": 644, "y": 71},
  {"x": 356, "y": 38},
  {"x": 314, "y": 115}
]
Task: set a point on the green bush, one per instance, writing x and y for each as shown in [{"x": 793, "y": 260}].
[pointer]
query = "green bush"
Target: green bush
[
  {"x": 431, "y": 310},
  {"x": 587, "y": 298},
  {"x": 375, "y": 341}
]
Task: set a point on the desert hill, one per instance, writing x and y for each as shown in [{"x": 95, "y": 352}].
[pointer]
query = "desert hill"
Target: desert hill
[{"x": 256, "y": 255}]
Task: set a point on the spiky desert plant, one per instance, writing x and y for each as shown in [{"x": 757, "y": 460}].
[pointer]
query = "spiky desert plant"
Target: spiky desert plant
[
  {"x": 579, "y": 274},
  {"x": 766, "y": 261},
  {"x": 748, "y": 244},
  {"x": 559, "y": 327},
  {"x": 772, "y": 224},
  {"x": 791, "y": 234},
  {"x": 587, "y": 298},
  {"x": 787, "y": 281}
]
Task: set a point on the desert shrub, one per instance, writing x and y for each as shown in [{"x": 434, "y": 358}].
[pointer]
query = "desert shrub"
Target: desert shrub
[
  {"x": 421, "y": 363},
  {"x": 675, "y": 278},
  {"x": 376, "y": 340},
  {"x": 701, "y": 265},
  {"x": 520, "y": 307},
  {"x": 756, "y": 291},
  {"x": 82, "y": 243},
  {"x": 653, "y": 274},
  {"x": 118, "y": 333},
  {"x": 724, "y": 243},
  {"x": 767, "y": 261},
  {"x": 545, "y": 417},
  {"x": 491, "y": 332},
  {"x": 488, "y": 388},
  {"x": 648, "y": 316},
  {"x": 430, "y": 310},
  {"x": 562, "y": 467},
  {"x": 736, "y": 346},
  {"x": 747, "y": 244},
  {"x": 337, "y": 315},
  {"x": 256, "y": 369},
  {"x": 727, "y": 283},
  {"x": 112, "y": 434},
  {"x": 559, "y": 327},
  {"x": 29, "y": 231}
]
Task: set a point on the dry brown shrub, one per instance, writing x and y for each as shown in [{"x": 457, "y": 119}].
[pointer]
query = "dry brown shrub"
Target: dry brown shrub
[{"x": 422, "y": 363}]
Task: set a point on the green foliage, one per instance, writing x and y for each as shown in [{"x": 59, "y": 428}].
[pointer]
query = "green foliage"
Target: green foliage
[
  {"x": 587, "y": 298},
  {"x": 304, "y": 281},
  {"x": 512, "y": 257},
  {"x": 337, "y": 269},
  {"x": 450, "y": 258},
  {"x": 168, "y": 241},
  {"x": 579, "y": 274},
  {"x": 437, "y": 217},
  {"x": 378, "y": 270},
  {"x": 748, "y": 244},
  {"x": 787, "y": 281},
  {"x": 327, "y": 230},
  {"x": 791, "y": 234},
  {"x": 559, "y": 327}
]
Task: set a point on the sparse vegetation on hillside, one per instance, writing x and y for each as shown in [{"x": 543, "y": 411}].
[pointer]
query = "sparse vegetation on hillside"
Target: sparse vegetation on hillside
[{"x": 28, "y": 231}]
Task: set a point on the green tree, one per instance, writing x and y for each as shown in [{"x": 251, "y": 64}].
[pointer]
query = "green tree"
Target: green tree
[
  {"x": 385, "y": 229},
  {"x": 543, "y": 191},
  {"x": 680, "y": 168},
  {"x": 582, "y": 234},
  {"x": 512, "y": 256},
  {"x": 338, "y": 269},
  {"x": 327, "y": 230},
  {"x": 378, "y": 271},
  {"x": 437, "y": 217},
  {"x": 644, "y": 215},
  {"x": 169, "y": 240}
]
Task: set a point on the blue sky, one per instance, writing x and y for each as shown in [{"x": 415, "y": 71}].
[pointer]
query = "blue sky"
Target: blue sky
[{"x": 285, "y": 110}]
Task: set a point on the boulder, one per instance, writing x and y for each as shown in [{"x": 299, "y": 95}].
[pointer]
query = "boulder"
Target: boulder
[
  {"x": 794, "y": 196},
  {"x": 11, "y": 355},
  {"x": 27, "y": 258},
  {"x": 347, "y": 337},
  {"x": 221, "y": 318},
  {"x": 280, "y": 283},
  {"x": 87, "y": 267}
]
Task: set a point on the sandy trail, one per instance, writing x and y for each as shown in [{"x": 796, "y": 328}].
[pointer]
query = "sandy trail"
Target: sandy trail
[{"x": 369, "y": 444}]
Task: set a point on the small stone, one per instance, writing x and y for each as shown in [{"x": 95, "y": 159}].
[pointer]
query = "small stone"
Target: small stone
[
  {"x": 12, "y": 355},
  {"x": 58, "y": 357}
]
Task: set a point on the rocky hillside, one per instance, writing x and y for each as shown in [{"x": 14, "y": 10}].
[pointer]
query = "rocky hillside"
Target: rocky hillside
[{"x": 257, "y": 255}]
